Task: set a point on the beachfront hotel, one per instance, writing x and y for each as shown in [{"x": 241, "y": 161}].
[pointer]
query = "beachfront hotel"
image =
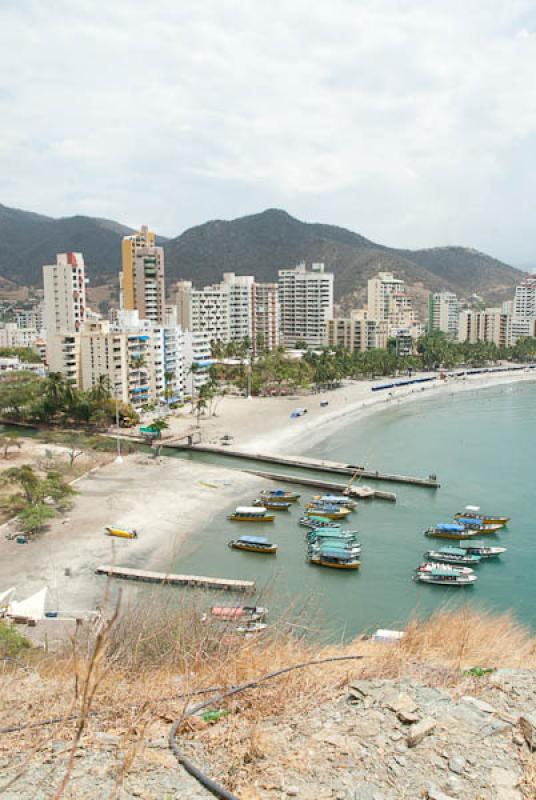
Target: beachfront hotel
[
  {"x": 306, "y": 298},
  {"x": 142, "y": 275}
]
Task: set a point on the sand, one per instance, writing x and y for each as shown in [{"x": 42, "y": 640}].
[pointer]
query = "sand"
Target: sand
[{"x": 170, "y": 500}]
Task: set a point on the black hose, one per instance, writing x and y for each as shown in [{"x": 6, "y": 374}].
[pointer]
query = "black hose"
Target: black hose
[{"x": 214, "y": 788}]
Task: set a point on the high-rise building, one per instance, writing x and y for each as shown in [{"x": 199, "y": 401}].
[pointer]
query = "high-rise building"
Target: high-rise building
[
  {"x": 523, "y": 320},
  {"x": 103, "y": 352},
  {"x": 142, "y": 276},
  {"x": 65, "y": 309},
  {"x": 266, "y": 317},
  {"x": 443, "y": 311},
  {"x": 306, "y": 299},
  {"x": 241, "y": 300},
  {"x": 204, "y": 310},
  {"x": 386, "y": 296},
  {"x": 197, "y": 361},
  {"x": 489, "y": 325},
  {"x": 357, "y": 332}
]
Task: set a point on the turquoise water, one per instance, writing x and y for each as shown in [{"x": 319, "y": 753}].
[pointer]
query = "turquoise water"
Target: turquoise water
[{"x": 482, "y": 446}]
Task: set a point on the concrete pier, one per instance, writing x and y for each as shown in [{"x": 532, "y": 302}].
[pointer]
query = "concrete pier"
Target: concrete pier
[
  {"x": 312, "y": 464},
  {"x": 361, "y": 492},
  {"x": 223, "y": 584}
]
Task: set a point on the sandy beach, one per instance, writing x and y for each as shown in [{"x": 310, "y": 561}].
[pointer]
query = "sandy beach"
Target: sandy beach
[{"x": 169, "y": 500}]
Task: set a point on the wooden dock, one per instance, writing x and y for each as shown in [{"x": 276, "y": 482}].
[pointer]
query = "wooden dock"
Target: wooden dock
[
  {"x": 361, "y": 492},
  {"x": 311, "y": 464},
  {"x": 198, "y": 581}
]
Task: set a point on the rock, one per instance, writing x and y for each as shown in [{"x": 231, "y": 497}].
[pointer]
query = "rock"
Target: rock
[
  {"x": 368, "y": 791},
  {"x": 434, "y": 794},
  {"x": 402, "y": 703},
  {"x": 480, "y": 704},
  {"x": 291, "y": 791},
  {"x": 408, "y": 717},
  {"x": 457, "y": 764},
  {"x": 359, "y": 689},
  {"x": 108, "y": 739},
  {"x": 418, "y": 731},
  {"x": 505, "y": 782},
  {"x": 494, "y": 728},
  {"x": 368, "y": 727},
  {"x": 527, "y": 723}
]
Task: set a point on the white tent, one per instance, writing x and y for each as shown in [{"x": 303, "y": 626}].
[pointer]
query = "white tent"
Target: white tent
[
  {"x": 5, "y": 597},
  {"x": 31, "y": 608}
]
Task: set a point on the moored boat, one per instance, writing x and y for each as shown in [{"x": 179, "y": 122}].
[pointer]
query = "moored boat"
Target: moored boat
[
  {"x": 279, "y": 494},
  {"x": 445, "y": 577},
  {"x": 479, "y": 548},
  {"x": 335, "y": 500},
  {"x": 254, "y": 544},
  {"x": 315, "y": 522},
  {"x": 429, "y": 566},
  {"x": 335, "y": 559},
  {"x": 273, "y": 505},
  {"x": 238, "y": 613},
  {"x": 331, "y": 533},
  {"x": 452, "y": 555},
  {"x": 474, "y": 512},
  {"x": 122, "y": 533},
  {"x": 478, "y": 525},
  {"x": 450, "y": 530},
  {"x": 251, "y": 627},
  {"x": 251, "y": 514},
  {"x": 329, "y": 512}
]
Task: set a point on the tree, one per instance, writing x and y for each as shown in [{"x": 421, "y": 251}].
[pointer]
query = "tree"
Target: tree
[
  {"x": 6, "y": 442},
  {"x": 33, "y": 518},
  {"x": 27, "y": 479},
  {"x": 159, "y": 425},
  {"x": 102, "y": 389}
]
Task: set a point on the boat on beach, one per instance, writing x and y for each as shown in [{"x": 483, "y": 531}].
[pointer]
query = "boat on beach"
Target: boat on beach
[
  {"x": 254, "y": 544},
  {"x": 450, "y": 530},
  {"x": 279, "y": 494},
  {"x": 335, "y": 559},
  {"x": 474, "y": 512},
  {"x": 251, "y": 514},
  {"x": 122, "y": 533},
  {"x": 452, "y": 555},
  {"x": 273, "y": 505},
  {"x": 479, "y": 548},
  {"x": 430, "y": 566},
  {"x": 445, "y": 577}
]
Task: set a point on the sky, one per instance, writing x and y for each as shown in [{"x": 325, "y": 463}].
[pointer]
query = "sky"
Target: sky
[{"x": 411, "y": 122}]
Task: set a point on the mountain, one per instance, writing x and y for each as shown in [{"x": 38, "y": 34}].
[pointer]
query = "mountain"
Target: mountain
[{"x": 258, "y": 245}]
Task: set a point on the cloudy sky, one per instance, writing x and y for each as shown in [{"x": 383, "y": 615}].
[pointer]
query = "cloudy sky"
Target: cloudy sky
[{"x": 410, "y": 121}]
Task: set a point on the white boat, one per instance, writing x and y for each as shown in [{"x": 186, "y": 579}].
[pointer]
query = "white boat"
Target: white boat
[
  {"x": 445, "y": 577},
  {"x": 429, "y": 566},
  {"x": 479, "y": 548}
]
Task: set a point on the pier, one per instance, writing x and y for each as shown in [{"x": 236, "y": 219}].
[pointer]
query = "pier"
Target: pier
[
  {"x": 362, "y": 492},
  {"x": 311, "y": 464},
  {"x": 198, "y": 581}
]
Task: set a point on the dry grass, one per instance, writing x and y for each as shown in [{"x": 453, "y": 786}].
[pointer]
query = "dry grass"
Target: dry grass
[{"x": 155, "y": 657}]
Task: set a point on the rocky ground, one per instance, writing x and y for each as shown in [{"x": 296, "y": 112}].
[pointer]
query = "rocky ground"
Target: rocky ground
[{"x": 375, "y": 740}]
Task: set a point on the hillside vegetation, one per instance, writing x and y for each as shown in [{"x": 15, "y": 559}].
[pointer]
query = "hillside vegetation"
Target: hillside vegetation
[{"x": 258, "y": 244}]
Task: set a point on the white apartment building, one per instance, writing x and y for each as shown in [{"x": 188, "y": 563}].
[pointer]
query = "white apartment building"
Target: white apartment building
[
  {"x": 168, "y": 363},
  {"x": 197, "y": 361},
  {"x": 28, "y": 317},
  {"x": 65, "y": 308},
  {"x": 266, "y": 317},
  {"x": 204, "y": 310},
  {"x": 306, "y": 299},
  {"x": 357, "y": 332},
  {"x": 523, "y": 320},
  {"x": 386, "y": 295},
  {"x": 241, "y": 301},
  {"x": 103, "y": 351},
  {"x": 11, "y": 335},
  {"x": 142, "y": 276},
  {"x": 443, "y": 312}
]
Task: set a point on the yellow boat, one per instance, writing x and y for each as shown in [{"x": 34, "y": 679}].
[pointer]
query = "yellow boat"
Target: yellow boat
[
  {"x": 121, "y": 533},
  {"x": 254, "y": 544},
  {"x": 279, "y": 494},
  {"x": 338, "y": 513},
  {"x": 251, "y": 514},
  {"x": 473, "y": 512},
  {"x": 335, "y": 560}
]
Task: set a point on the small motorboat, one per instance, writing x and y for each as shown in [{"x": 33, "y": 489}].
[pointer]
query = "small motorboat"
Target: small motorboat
[
  {"x": 254, "y": 544},
  {"x": 251, "y": 514},
  {"x": 328, "y": 512},
  {"x": 238, "y": 613},
  {"x": 335, "y": 559},
  {"x": 482, "y": 549},
  {"x": 445, "y": 577},
  {"x": 250, "y": 628},
  {"x": 334, "y": 500},
  {"x": 273, "y": 505},
  {"x": 315, "y": 522},
  {"x": 452, "y": 555},
  {"x": 478, "y": 525},
  {"x": 122, "y": 533},
  {"x": 450, "y": 530},
  {"x": 279, "y": 494},
  {"x": 429, "y": 566},
  {"x": 341, "y": 547},
  {"x": 318, "y": 534},
  {"x": 473, "y": 512}
]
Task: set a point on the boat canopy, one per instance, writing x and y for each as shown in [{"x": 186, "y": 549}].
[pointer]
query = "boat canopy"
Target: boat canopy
[
  {"x": 333, "y": 498},
  {"x": 277, "y": 493},
  {"x": 258, "y": 510},
  {"x": 254, "y": 540},
  {"x": 341, "y": 555},
  {"x": 449, "y": 526},
  {"x": 318, "y": 518},
  {"x": 452, "y": 551},
  {"x": 443, "y": 573},
  {"x": 332, "y": 533},
  {"x": 468, "y": 520},
  {"x": 472, "y": 508}
]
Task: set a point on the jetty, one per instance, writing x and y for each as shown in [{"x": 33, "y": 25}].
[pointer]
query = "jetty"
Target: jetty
[
  {"x": 362, "y": 492},
  {"x": 166, "y": 578},
  {"x": 310, "y": 464}
]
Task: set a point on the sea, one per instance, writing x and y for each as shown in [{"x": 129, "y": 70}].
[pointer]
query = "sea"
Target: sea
[{"x": 481, "y": 444}]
